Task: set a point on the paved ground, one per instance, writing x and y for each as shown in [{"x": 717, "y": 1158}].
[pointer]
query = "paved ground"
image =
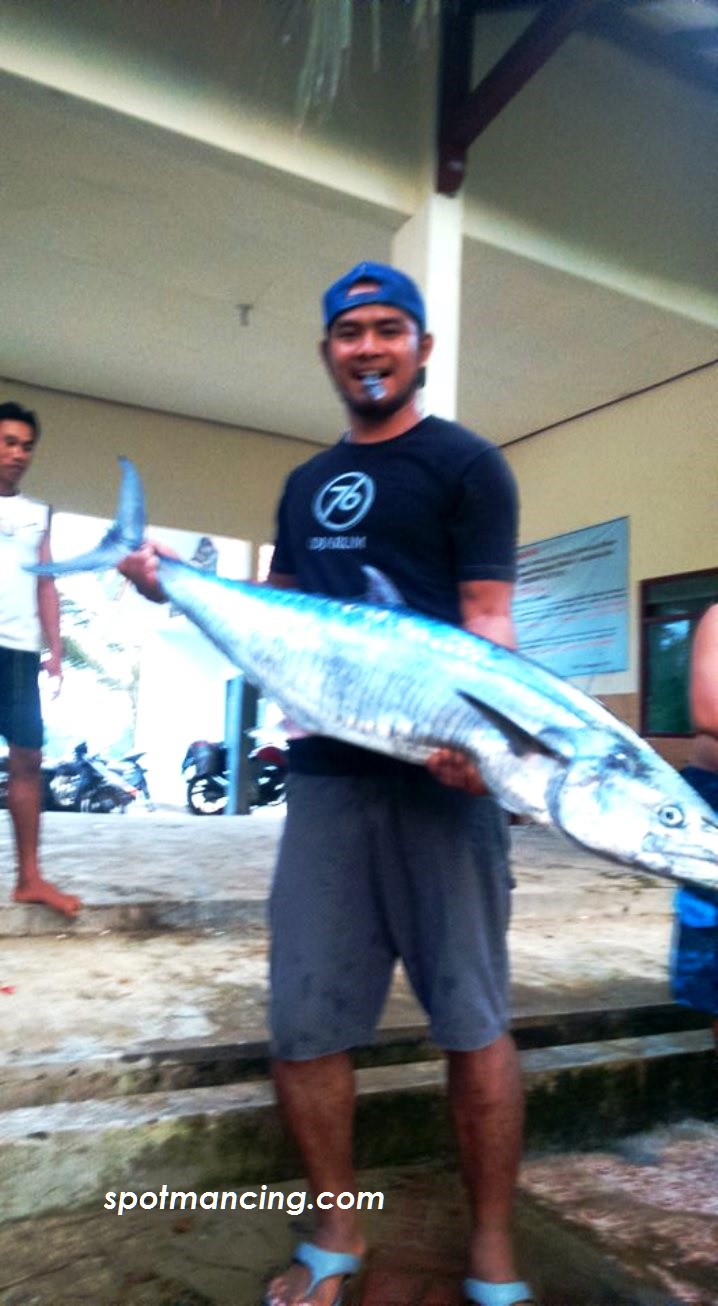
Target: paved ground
[
  {"x": 636, "y": 1224},
  {"x": 172, "y": 944}
]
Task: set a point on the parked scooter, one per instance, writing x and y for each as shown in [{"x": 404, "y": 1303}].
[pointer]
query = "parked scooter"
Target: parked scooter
[
  {"x": 86, "y": 784},
  {"x": 268, "y": 763},
  {"x": 205, "y": 771},
  {"x": 135, "y": 775}
]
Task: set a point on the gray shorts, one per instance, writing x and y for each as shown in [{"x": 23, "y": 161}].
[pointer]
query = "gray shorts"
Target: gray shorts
[{"x": 373, "y": 868}]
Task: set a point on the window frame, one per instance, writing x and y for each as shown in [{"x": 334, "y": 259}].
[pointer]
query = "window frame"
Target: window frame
[{"x": 646, "y": 621}]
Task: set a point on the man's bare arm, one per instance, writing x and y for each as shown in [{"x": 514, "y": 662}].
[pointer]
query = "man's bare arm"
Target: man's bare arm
[
  {"x": 486, "y": 610},
  {"x": 704, "y": 674},
  {"x": 280, "y": 580},
  {"x": 48, "y": 606}
]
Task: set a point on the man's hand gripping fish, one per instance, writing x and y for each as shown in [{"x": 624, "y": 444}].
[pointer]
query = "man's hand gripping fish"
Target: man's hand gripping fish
[{"x": 376, "y": 674}]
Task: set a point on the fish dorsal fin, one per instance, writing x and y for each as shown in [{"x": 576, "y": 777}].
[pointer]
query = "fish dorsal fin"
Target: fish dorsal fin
[
  {"x": 380, "y": 590},
  {"x": 554, "y": 743}
]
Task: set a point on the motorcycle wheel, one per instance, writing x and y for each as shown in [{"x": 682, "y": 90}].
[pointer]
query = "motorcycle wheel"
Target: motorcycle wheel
[
  {"x": 103, "y": 801},
  {"x": 206, "y": 796},
  {"x": 63, "y": 793},
  {"x": 269, "y": 787}
]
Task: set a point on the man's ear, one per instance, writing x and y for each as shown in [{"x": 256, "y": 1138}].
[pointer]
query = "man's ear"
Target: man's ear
[{"x": 426, "y": 344}]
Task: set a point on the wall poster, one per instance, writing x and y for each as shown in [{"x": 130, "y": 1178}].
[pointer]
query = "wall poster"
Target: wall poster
[{"x": 571, "y": 604}]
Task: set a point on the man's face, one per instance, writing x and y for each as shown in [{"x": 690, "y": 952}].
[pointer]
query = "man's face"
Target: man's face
[
  {"x": 17, "y": 446},
  {"x": 381, "y": 340}
]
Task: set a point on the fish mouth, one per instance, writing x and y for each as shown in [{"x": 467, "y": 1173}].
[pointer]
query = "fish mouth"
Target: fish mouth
[{"x": 684, "y": 861}]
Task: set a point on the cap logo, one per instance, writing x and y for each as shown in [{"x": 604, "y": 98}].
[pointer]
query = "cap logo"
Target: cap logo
[
  {"x": 374, "y": 283},
  {"x": 362, "y": 287}
]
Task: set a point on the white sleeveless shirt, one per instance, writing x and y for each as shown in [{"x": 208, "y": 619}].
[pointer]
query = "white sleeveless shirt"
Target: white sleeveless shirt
[{"x": 23, "y": 523}]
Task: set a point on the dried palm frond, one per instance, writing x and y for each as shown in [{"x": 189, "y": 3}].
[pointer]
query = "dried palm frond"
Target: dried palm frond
[{"x": 331, "y": 29}]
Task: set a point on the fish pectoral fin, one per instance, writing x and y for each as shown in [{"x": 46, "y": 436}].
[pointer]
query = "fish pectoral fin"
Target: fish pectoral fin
[
  {"x": 380, "y": 590},
  {"x": 553, "y": 743}
]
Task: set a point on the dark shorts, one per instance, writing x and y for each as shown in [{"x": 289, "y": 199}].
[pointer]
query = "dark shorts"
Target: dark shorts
[
  {"x": 375, "y": 868},
  {"x": 20, "y": 715},
  {"x": 694, "y": 955}
]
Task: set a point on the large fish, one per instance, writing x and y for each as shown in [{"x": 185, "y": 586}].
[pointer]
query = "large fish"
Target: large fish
[{"x": 377, "y": 674}]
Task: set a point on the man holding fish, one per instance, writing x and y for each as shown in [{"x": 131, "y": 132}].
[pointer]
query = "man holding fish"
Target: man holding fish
[
  {"x": 416, "y": 684},
  {"x": 381, "y": 858}
]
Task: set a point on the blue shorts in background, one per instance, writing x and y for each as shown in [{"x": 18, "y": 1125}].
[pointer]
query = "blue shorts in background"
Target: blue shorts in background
[{"x": 694, "y": 956}]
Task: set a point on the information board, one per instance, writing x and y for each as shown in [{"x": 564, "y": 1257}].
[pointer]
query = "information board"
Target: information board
[{"x": 571, "y": 604}]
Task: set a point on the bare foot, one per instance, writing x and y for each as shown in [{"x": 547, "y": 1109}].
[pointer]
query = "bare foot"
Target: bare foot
[
  {"x": 290, "y": 1288},
  {"x": 46, "y": 894}
]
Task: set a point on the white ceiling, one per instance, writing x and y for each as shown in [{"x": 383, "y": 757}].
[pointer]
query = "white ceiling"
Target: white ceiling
[{"x": 126, "y": 245}]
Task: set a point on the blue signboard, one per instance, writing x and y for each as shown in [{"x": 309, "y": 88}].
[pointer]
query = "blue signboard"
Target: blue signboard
[{"x": 571, "y": 604}]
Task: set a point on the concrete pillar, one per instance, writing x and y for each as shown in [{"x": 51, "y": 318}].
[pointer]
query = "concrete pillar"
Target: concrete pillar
[
  {"x": 240, "y": 717},
  {"x": 429, "y": 248}
]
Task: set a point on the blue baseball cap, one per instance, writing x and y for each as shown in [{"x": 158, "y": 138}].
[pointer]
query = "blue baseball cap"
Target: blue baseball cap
[{"x": 390, "y": 287}]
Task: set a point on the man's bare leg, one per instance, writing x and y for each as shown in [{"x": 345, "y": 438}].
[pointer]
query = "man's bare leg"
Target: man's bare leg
[
  {"x": 317, "y": 1099},
  {"x": 486, "y": 1098},
  {"x": 24, "y": 802}
]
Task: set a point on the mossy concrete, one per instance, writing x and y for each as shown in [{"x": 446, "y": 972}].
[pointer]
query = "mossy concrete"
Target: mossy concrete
[{"x": 68, "y": 1154}]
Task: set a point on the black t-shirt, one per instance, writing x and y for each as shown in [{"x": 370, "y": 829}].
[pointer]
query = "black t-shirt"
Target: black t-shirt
[{"x": 430, "y": 508}]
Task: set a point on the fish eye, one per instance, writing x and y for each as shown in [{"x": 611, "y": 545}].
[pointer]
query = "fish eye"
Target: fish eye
[{"x": 672, "y": 816}]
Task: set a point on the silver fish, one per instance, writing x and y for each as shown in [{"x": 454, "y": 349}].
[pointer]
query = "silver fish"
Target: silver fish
[{"x": 376, "y": 674}]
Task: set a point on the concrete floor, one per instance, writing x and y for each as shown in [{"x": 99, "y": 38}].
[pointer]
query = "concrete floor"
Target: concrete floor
[{"x": 171, "y": 947}]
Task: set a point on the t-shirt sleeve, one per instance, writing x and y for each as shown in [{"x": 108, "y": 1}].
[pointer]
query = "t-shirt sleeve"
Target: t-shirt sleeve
[
  {"x": 485, "y": 524},
  {"x": 283, "y": 557}
]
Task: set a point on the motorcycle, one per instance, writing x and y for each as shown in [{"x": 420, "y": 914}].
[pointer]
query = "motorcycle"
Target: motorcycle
[
  {"x": 80, "y": 784},
  {"x": 134, "y": 774},
  {"x": 206, "y": 774},
  {"x": 86, "y": 784}
]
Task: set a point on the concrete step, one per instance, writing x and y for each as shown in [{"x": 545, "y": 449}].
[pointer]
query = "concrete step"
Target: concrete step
[
  {"x": 142, "y": 912},
  {"x": 222, "y": 1137},
  {"x": 199, "y": 1063}
]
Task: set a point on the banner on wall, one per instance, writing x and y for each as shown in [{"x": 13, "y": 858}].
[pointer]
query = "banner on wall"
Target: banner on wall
[{"x": 571, "y": 604}]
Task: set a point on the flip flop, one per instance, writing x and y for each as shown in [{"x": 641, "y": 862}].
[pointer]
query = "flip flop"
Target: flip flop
[
  {"x": 323, "y": 1264},
  {"x": 482, "y": 1293}
]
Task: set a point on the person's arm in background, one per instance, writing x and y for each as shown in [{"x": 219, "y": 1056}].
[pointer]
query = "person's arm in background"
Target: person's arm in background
[
  {"x": 704, "y": 674},
  {"x": 48, "y": 606}
]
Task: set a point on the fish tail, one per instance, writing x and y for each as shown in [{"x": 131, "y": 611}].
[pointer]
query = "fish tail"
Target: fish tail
[{"x": 124, "y": 535}]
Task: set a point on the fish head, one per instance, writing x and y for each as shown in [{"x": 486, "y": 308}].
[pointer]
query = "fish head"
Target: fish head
[{"x": 621, "y": 799}]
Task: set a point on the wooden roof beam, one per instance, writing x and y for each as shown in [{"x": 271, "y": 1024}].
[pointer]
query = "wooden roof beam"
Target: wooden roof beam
[{"x": 463, "y": 113}]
